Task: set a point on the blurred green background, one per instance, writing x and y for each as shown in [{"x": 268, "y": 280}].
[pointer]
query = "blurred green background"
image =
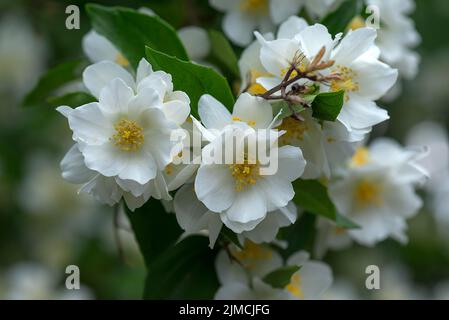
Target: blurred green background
[{"x": 45, "y": 225}]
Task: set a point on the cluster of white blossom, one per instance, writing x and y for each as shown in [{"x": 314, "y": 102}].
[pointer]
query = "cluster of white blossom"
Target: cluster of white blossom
[{"x": 123, "y": 146}]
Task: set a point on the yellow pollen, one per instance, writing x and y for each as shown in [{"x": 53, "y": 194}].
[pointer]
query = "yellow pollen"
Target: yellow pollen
[
  {"x": 251, "y": 254},
  {"x": 347, "y": 82},
  {"x": 295, "y": 130},
  {"x": 339, "y": 231},
  {"x": 129, "y": 135},
  {"x": 356, "y": 23},
  {"x": 121, "y": 60},
  {"x": 368, "y": 193},
  {"x": 360, "y": 157},
  {"x": 249, "y": 122},
  {"x": 294, "y": 287},
  {"x": 254, "y": 6},
  {"x": 245, "y": 174},
  {"x": 255, "y": 89}
]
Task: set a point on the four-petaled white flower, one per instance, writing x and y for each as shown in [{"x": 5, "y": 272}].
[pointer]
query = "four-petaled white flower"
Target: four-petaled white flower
[
  {"x": 239, "y": 189},
  {"x": 377, "y": 191},
  {"x": 241, "y": 277}
]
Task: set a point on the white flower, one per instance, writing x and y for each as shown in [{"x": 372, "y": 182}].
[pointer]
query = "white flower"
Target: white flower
[
  {"x": 196, "y": 42},
  {"x": 434, "y": 137},
  {"x": 32, "y": 281},
  {"x": 123, "y": 142},
  {"x": 377, "y": 191},
  {"x": 330, "y": 237},
  {"x": 193, "y": 216},
  {"x": 250, "y": 65},
  {"x": 242, "y": 17},
  {"x": 240, "y": 190},
  {"x": 397, "y": 35},
  {"x": 242, "y": 279},
  {"x": 22, "y": 55}
]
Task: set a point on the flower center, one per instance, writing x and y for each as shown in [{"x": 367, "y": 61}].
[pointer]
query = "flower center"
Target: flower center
[
  {"x": 129, "y": 135},
  {"x": 347, "y": 82},
  {"x": 360, "y": 157},
  {"x": 245, "y": 174},
  {"x": 294, "y": 287},
  {"x": 254, "y": 87},
  {"x": 251, "y": 254},
  {"x": 294, "y": 131},
  {"x": 254, "y": 6},
  {"x": 368, "y": 193},
  {"x": 121, "y": 60}
]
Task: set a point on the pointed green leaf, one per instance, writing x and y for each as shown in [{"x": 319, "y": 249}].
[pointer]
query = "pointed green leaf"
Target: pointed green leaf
[
  {"x": 327, "y": 105},
  {"x": 193, "y": 79},
  {"x": 130, "y": 31}
]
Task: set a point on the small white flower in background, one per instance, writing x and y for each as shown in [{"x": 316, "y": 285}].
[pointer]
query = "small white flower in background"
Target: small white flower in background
[
  {"x": 196, "y": 42},
  {"x": 22, "y": 55},
  {"x": 397, "y": 39},
  {"x": 32, "y": 281},
  {"x": 242, "y": 17},
  {"x": 397, "y": 36},
  {"x": 377, "y": 191},
  {"x": 193, "y": 216},
  {"x": 241, "y": 192},
  {"x": 434, "y": 136},
  {"x": 123, "y": 142},
  {"x": 330, "y": 237},
  {"x": 241, "y": 277}
]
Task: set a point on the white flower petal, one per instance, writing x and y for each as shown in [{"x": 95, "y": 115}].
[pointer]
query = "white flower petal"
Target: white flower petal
[
  {"x": 98, "y": 75},
  {"x": 239, "y": 27},
  {"x": 253, "y": 109},
  {"x": 354, "y": 45},
  {"x": 282, "y": 9},
  {"x": 213, "y": 114},
  {"x": 73, "y": 168}
]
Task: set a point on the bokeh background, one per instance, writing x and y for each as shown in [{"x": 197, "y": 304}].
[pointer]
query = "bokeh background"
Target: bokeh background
[{"x": 45, "y": 225}]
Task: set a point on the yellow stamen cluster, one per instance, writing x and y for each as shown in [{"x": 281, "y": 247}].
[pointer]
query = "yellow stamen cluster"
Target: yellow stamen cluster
[
  {"x": 360, "y": 157},
  {"x": 255, "y": 88},
  {"x": 169, "y": 169},
  {"x": 245, "y": 174},
  {"x": 251, "y": 254},
  {"x": 347, "y": 82},
  {"x": 121, "y": 60},
  {"x": 368, "y": 193},
  {"x": 254, "y": 6},
  {"x": 129, "y": 135},
  {"x": 294, "y": 287},
  {"x": 295, "y": 130}
]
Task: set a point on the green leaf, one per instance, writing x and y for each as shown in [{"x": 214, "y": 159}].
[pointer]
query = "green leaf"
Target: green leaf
[
  {"x": 54, "y": 79},
  {"x": 222, "y": 52},
  {"x": 338, "y": 20},
  {"x": 300, "y": 236},
  {"x": 327, "y": 105},
  {"x": 280, "y": 278},
  {"x": 130, "y": 31},
  {"x": 155, "y": 230},
  {"x": 73, "y": 99},
  {"x": 185, "y": 271},
  {"x": 193, "y": 79},
  {"x": 312, "y": 196}
]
